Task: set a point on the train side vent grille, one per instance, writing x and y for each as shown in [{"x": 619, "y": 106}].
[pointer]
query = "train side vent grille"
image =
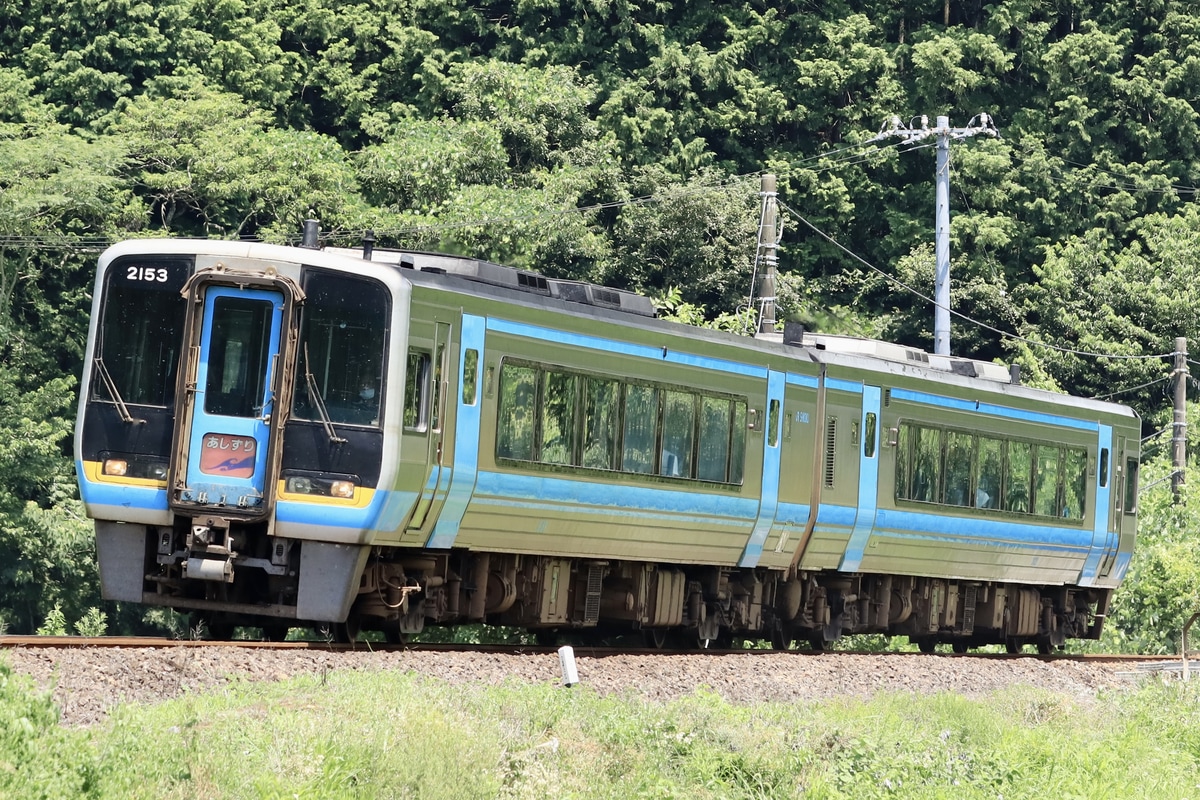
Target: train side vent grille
[
  {"x": 595, "y": 582},
  {"x": 969, "y": 599},
  {"x": 887, "y": 397},
  {"x": 830, "y": 450},
  {"x": 917, "y": 355},
  {"x": 606, "y": 297},
  {"x": 529, "y": 280}
]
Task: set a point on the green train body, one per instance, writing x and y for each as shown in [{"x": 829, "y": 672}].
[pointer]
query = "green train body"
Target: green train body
[{"x": 549, "y": 455}]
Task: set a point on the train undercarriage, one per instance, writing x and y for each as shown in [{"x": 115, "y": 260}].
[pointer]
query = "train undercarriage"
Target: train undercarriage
[{"x": 227, "y": 580}]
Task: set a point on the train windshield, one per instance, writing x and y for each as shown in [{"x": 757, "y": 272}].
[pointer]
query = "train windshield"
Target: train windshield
[
  {"x": 343, "y": 334},
  {"x": 141, "y": 332}
]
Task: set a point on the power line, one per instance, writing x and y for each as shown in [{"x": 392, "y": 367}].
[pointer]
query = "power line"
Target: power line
[{"x": 960, "y": 315}]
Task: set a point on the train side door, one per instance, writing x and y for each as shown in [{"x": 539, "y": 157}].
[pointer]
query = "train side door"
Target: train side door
[
  {"x": 433, "y": 491},
  {"x": 223, "y": 462},
  {"x": 868, "y": 480}
]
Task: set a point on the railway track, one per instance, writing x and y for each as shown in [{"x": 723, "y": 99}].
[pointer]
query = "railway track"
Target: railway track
[{"x": 142, "y": 642}]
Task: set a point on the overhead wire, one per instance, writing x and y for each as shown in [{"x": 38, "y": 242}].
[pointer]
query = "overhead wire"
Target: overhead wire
[{"x": 917, "y": 293}]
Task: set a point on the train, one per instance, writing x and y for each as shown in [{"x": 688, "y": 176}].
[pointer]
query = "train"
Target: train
[{"x": 374, "y": 439}]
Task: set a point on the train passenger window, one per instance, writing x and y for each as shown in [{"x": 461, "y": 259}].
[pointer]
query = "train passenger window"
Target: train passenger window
[
  {"x": 1045, "y": 492},
  {"x": 470, "y": 377},
  {"x": 343, "y": 332},
  {"x": 516, "y": 415},
  {"x": 641, "y": 428},
  {"x": 1131, "y": 485},
  {"x": 960, "y": 448},
  {"x": 1020, "y": 466},
  {"x": 142, "y": 331},
  {"x": 600, "y": 417},
  {"x": 927, "y": 463},
  {"x": 991, "y": 472},
  {"x": 416, "y": 391},
  {"x": 903, "y": 463},
  {"x": 737, "y": 445},
  {"x": 1103, "y": 467},
  {"x": 439, "y": 372},
  {"x": 869, "y": 435},
  {"x": 679, "y": 425},
  {"x": 237, "y": 364},
  {"x": 715, "y": 427},
  {"x": 1074, "y": 482},
  {"x": 558, "y": 418},
  {"x": 773, "y": 424}
]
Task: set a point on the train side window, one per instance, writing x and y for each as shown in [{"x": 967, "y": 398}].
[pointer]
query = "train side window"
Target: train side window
[
  {"x": 1103, "y": 467},
  {"x": 1045, "y": 488},
  {"x": 515, "y": 416},
  {"x": 715, "y": 427},
  {"x": 558, "y": 418},
  {"x": 960, "y": 449},
  {"x": 416, "y": 391},
  {"x": 991, "y": 472},
  {"x": 679, "y": 428},
  {"x": 737, "y": 445},
  {"x": 1020, "y": 466},
  {"x": 927, "y": 464},
  {"x": 600, "y": 417},
  {"x": 904, "y": 461},
  {"x": 1131, "y": 485},
  {"x": 773, "y": 424},
  {"x": 470, "y": 377},
  {"x": 640, "y": 429},
  {"x": 869, "y": 435},
  {"x": 439, "y": 372},
  {"x": 1074, "y": 482}
]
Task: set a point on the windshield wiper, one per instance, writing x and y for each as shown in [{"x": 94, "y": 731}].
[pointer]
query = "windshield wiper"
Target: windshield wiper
[
  {"x": 113, "y": 393},
  {"x": 314, "y": 394}
]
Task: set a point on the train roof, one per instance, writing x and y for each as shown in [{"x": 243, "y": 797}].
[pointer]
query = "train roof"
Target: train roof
[{"x": 631, "y": 309}]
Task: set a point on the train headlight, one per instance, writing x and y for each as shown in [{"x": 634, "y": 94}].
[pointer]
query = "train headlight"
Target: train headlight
[
  {"x": 316, "y": 484},
  {"x": 299, "y": 486},
  {"x": 116, "y": 466}
]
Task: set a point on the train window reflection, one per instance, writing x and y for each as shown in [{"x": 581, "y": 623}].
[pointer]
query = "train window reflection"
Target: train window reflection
[
  {"x": 568, "y": 419},
  {"x": 237, "y": 363},
  {"x": 141, "y": 331},
  {"x": 641, "y": 422},
  {"x": 343, "y": 329},
  {"x": 558, "y": 418},
  {"x": 962, "y": 468},
  {"x": 600, "y": 424},
  {"x": 416, "y": 391}
]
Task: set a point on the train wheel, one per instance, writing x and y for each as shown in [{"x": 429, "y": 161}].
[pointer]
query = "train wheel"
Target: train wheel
[
  {"x": 275, "y": 633},
  {"x": 817, "y": 643},
  {"x": 960, "y": 646},
  {"x": 782, "y": 640},
  {"x": 1013, "y": 645},
  {"x": 927, "y": 644},
  {"x": 657, "y": 638},
  {"x": 1044, "y": 647}
]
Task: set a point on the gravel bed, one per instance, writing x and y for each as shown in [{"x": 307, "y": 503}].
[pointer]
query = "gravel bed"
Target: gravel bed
[{"x": 88, "y": 683}]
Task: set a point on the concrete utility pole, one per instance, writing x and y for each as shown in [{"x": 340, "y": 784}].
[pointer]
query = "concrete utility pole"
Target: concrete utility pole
[
  {"x": 768, "y": 246},
  {"x": 944, "y": 133},
  {"x": 1179, "y": 429}
]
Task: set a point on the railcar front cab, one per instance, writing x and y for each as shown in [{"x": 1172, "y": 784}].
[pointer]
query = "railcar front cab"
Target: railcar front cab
[{"x": 214, "y": 398}]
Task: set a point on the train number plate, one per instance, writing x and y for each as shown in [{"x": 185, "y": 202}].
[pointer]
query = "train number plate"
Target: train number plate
[{"x": 228, "y": 455}]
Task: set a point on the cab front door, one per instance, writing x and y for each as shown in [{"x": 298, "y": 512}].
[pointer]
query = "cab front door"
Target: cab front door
[{"x": 232, "y": 395}]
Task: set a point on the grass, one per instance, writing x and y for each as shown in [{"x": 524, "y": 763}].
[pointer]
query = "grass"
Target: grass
[{"x": 398, "y": 735}]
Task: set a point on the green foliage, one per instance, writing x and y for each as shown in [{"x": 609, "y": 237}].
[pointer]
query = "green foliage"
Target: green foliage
[
  {"x": 38, "y": 759},
  {"x": 335, "y": 735}
]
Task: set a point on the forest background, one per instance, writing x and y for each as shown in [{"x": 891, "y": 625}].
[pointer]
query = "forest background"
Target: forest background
[{"x": 621, "y": 143}]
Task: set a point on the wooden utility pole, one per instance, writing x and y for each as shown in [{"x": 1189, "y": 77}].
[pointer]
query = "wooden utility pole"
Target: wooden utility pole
[{"x": 1179, "y": 429}]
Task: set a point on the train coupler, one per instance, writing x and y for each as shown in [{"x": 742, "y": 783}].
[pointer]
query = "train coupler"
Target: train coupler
[{"x": 210, "y": 551}]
